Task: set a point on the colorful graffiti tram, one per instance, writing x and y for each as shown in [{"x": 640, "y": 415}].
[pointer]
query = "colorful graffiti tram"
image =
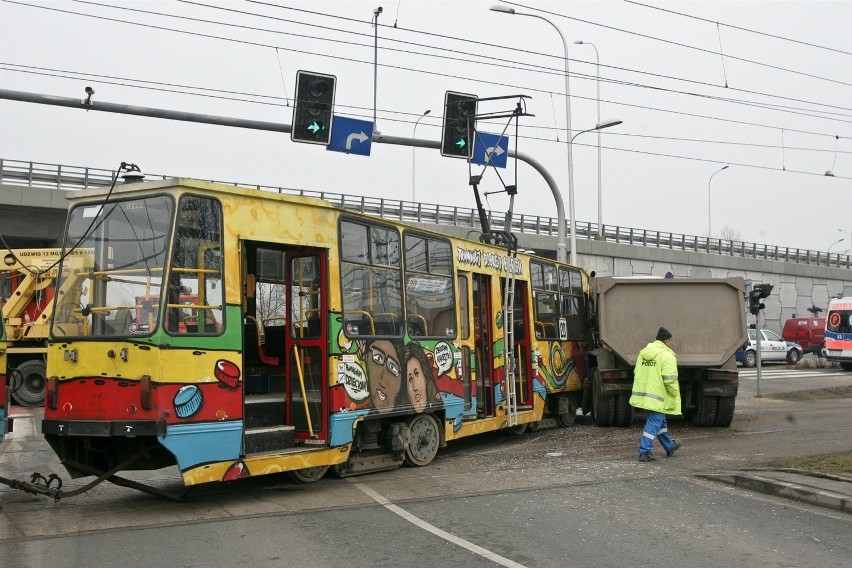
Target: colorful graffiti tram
[{"x": 315, "y": 338}]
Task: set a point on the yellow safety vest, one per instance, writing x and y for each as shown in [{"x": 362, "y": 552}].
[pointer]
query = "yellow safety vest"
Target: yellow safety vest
[{"x": 655, "y": 385}]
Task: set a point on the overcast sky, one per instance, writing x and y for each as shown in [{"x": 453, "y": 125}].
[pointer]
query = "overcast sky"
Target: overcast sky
[{"x": 782, "y": 121}]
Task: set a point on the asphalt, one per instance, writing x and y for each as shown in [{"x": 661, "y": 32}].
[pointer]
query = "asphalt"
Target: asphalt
[{"x": 823, "y": 490}]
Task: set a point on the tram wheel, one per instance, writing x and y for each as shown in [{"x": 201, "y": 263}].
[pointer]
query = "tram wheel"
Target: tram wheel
[
  {"x": 567, "y": 406},
  {"x": 423, "y": 440},
  {"x": 309, "y": 474}
]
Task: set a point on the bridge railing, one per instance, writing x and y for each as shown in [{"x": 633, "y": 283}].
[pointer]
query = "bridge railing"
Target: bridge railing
[{"x": 58, "y": 176}]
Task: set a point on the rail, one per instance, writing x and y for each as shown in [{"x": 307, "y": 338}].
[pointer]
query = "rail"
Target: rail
[{"x": 35, "y": 174}]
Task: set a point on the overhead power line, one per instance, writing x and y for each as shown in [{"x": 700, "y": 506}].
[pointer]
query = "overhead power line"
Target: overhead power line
[
  {"x": 740, "y": 28},
  {"x": 778, "y": 108},
  {"x": 412, "y": 70}
]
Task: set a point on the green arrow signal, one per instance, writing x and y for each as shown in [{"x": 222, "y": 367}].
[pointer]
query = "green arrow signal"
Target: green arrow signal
[
  {"x": 461, "y": 143},
  {"x": 314, "y": 127}
]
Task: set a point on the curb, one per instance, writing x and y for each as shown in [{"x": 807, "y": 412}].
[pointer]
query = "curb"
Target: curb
[{"x": 795, "y": 491}]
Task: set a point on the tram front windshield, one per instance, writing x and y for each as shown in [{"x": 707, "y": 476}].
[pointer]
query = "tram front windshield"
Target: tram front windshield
[{"x": 112, "y": 270}]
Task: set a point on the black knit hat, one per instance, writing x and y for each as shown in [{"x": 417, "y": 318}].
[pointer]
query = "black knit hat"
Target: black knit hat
[{"x": 663, "y": 334}]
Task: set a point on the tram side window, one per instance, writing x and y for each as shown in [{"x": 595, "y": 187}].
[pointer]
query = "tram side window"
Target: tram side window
[
  {"x": 429, "y": 297},
  {"x": 306, "y": 304},
  {"x": 195, "y": 292},
  {"x": 464, "y": 307},
  {"x": 545, "y": 293},
  {"x": 573, "y": 304},
  {"x": 267, "y": 312},
  {"x": 371, "y": 282}
]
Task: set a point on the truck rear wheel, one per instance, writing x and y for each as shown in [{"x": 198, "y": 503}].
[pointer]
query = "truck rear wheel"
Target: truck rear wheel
[
  {"x": 623, "y": 411},
  {"x": 724, "y": 410},
  {"x": 705, "y": 412},
  {"x": 603, "y": 409},
  {"x": 29, "y": 380}
]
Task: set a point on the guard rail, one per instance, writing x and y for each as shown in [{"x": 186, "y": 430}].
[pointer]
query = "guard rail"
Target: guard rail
[{"x": 36, "y": 174}]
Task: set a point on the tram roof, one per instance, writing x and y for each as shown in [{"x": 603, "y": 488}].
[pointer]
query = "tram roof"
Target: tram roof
[{"x": 154, "y": 186}]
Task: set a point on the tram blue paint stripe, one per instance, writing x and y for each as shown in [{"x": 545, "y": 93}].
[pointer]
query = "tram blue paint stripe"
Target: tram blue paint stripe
[{"x": 203, "y": 442}]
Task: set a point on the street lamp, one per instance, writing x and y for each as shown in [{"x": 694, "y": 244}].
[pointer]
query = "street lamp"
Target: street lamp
[
  {"x": 834, "y": 243},
  {"x": 709, "y": 224},
  {"x": 599, "y": 126},
  {"x": 560, "y": 246},
  {"x": 414, "y": 134},
  {"x": 846, "y": 233},
  {"x": 598, "y": 81}
]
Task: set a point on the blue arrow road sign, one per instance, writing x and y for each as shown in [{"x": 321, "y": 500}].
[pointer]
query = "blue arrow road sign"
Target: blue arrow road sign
[
  {"x": 351, "y": 136},
  {"x": 487, "y": 145}
]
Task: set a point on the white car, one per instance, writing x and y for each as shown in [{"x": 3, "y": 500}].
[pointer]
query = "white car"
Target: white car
[{"x": 772, "y": 348}]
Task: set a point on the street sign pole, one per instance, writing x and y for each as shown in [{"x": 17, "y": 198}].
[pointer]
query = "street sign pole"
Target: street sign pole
[{"x": 759, "y": 355}]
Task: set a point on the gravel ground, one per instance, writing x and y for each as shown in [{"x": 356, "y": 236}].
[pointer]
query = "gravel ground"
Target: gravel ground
[{"x": 833, "y": 464}]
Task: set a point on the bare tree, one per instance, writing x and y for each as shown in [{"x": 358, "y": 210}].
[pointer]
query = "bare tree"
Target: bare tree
[
  {"x": 271, "y": 302},
  {"x": 729, "y": 233}
]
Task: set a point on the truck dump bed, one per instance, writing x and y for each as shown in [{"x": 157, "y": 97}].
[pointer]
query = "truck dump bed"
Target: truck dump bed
[{"x": 705, "y": 315}]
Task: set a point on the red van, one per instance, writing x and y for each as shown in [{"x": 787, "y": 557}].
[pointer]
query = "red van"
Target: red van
[{"x": 807, "y": 332}]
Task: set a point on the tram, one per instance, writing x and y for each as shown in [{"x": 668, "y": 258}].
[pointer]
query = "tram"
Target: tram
[{"x": 234, "y": 332}]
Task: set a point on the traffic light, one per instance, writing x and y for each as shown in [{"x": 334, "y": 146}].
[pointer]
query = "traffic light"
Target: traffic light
[
  {"x": 314, "y": 108},
  {"x": 757, "y": 293},
  {"x": 459, "y": 125}
]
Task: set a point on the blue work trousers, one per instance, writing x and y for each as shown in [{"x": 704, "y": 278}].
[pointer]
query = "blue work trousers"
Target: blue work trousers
[{"x": 655, "y": 427}]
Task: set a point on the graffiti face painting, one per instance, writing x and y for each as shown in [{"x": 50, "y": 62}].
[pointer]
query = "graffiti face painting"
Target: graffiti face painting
[
  {"x": 384, "y": 372},
  {"x": 419, "y": 382}
]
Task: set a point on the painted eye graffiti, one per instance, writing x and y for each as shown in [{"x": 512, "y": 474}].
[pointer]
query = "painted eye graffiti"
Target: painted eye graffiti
[
  {"x": 393, "y": 367},
  {"x": 378, "y": 356}
]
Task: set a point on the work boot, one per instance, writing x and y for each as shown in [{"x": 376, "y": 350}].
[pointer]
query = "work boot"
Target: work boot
[
  {"x": 671, "y": 453},
  {"x": 649, "y": 457}
]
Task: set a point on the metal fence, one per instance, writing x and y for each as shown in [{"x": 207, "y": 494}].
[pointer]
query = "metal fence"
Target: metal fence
[{"x": 34, "y": 174}]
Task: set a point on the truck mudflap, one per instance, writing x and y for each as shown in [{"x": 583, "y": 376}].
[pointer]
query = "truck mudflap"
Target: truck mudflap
[
  {"x": 719, "y": 388},
  {"x": 720, "y": 382}
]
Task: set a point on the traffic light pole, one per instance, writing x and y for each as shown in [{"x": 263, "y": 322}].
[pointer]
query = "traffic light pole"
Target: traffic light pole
[
  {"x": 88, "y": 104},
  {"x": 758, "y": 333}
]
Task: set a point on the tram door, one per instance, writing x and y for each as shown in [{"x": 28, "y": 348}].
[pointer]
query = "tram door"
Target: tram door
[
  {"x": 307, "y": 400},
  {"x": 483, "y": 344}
]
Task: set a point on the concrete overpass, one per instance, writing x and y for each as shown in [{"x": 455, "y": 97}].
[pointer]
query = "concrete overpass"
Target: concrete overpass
[{"x": 33, "y": 206}]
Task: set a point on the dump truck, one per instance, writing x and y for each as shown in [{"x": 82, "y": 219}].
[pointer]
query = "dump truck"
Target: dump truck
[
  {"x": 708, "y": 320},
  {"x": 27, "y": 278}
]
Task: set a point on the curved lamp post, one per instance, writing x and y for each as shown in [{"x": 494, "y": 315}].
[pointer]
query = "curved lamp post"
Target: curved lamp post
[
  {"x": 598, "y": 127},
  {"x": 560, "y": 246},
  {"x": 414, "y": 135},
  {"x": 834, "y": 243},
  {"x": 598, "y": 81},
  {"x": 846, "y": 233},
  {"x": 709, "y": 224}
]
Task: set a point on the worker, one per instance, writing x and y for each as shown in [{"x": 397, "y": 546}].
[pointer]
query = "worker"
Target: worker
[{"x": 656, "y": 390}]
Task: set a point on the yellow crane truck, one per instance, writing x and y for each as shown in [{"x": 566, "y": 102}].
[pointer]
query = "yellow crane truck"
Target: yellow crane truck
[{"x": 27, "y": 278}]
